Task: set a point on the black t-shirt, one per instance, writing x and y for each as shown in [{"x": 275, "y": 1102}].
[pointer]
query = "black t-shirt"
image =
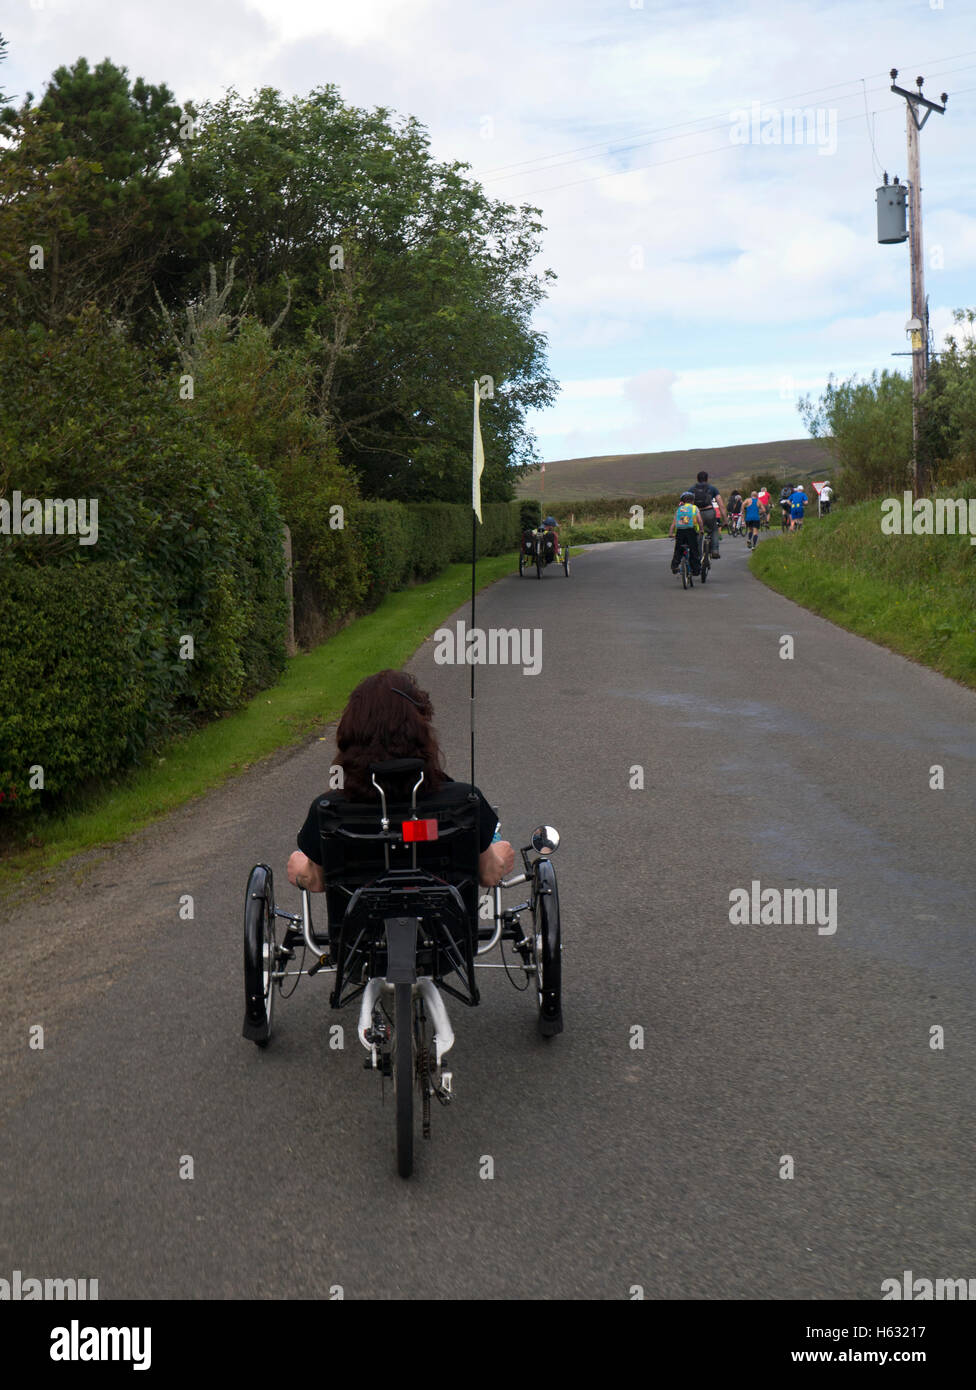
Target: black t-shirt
[{"x": 310, "y": 843}]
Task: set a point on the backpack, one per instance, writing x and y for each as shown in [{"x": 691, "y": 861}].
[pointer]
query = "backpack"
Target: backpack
[{"x": 703, "y": 496}]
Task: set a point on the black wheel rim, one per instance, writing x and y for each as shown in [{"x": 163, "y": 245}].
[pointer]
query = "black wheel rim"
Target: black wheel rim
[{"x": 260, "y": 954}]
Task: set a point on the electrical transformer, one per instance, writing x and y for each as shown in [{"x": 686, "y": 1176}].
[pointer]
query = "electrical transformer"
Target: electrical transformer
[{"x": 892, "y": 213}]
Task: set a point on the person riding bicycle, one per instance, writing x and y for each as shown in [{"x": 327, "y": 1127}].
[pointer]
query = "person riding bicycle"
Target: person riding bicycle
[
  {"x": 708, "y": 500},
  {"x": 798, "y": 501},
  {"x": 388, "y": 716},
  {"x": 735, "y": 510},
  {"x": 765, "y": 502},
  {"x": 551, "y": 528},
  {"x": 686, "y": 528}
]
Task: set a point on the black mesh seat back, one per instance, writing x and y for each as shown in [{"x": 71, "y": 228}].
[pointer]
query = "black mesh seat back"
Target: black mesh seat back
[{"x": 350, "y": 864}]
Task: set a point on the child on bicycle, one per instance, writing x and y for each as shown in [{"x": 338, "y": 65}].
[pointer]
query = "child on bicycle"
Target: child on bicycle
[{"x": 687, "y": 529}]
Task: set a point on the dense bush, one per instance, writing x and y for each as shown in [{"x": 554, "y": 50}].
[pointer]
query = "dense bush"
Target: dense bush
[
  {"x": 82, "y": 675},
  {"x": 401, "y": 542},
  {"x": 868, "y": 425},
  {"x": 530, "y": 513},
  {"x": 188, "y": 545}
]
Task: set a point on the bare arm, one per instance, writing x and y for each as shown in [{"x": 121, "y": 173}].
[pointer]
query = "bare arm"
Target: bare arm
[
  {"x": 495, "y": 862},
  {"x": 305, "y": 873}
]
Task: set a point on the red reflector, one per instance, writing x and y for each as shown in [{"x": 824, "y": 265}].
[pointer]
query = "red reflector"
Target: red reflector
[{"x": 420, "y": 830}]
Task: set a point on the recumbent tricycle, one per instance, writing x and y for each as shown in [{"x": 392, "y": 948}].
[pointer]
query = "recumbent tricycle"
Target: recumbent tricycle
[
  {"x": 541, "y": 546},
  {"x": 407, "y": 919}
]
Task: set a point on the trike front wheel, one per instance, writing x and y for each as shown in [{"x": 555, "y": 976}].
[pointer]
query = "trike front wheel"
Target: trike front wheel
[
  {"x": 548, "y": 952},
  {"x": 260, "y": 955}
]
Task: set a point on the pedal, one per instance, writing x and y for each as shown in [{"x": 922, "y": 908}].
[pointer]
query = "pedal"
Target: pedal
[{"x": 444, "y": 1089}]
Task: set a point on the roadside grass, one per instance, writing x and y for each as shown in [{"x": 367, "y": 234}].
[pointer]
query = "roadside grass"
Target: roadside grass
[
  {"x": 598, "y": 532},
  {"x": 311, "y": 693},
  {"x": 913, "y": 594}
]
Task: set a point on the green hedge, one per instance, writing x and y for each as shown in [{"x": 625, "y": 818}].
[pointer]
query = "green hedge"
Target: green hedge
[
  {"x": 92, "y": 677},
  {"x": 79, "y": 678},
  {"x": 396, "y": 543},
  {"x": 188, "y": 546}
]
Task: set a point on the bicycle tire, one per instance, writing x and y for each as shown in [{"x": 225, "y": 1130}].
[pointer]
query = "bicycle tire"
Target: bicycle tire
[{"x": 403, "y": 1070}]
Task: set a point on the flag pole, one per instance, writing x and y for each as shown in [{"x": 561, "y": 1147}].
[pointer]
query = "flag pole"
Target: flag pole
[
  {"x": 474, "y": 550},
  {"x": 477, "y": 467}
]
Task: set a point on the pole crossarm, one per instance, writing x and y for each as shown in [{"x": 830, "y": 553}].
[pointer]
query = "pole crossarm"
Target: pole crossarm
[{"x": 916, "y": 99}]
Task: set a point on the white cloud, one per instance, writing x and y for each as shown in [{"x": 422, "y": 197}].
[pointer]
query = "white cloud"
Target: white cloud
[{"x": 758, "y": 254}]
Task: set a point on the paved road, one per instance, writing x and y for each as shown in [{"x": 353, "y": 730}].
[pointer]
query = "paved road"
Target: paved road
[{"x": 614, "y": 1166}]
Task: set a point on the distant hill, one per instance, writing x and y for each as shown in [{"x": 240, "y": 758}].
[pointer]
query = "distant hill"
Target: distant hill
[{"x": 639, "y": 475}]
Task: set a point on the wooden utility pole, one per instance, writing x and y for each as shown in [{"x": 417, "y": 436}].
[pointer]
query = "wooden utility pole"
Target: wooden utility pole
[{"x": 914, "y": 101}]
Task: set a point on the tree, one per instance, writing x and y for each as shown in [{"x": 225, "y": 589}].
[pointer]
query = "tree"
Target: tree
[
  {"x": 409, "y": 283},
  {"x": 868, "y": 427},
  {"x": 950, "y": 404},
  {"x": 93, "y": 178}
]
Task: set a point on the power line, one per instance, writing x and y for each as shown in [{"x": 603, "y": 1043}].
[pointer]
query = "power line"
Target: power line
[
  {"x": 878, "y": 171},
  {"x": 720, "y": 119},
  {"x": 697, "y": 154}
]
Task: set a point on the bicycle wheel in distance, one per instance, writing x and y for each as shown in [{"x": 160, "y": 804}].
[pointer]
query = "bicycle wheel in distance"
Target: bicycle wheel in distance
[
  {"x": 403, "y": 1070},
  {"x": 685, "y": 571},
  {"x": 566, "y": 561},
  {"x": 521, "y": 563}
]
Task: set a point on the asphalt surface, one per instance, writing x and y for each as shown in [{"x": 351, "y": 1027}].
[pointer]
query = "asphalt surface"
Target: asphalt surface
[{"x": 614, "y": 1165}]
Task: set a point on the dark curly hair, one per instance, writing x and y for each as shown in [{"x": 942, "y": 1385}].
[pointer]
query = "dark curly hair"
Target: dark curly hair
[{"x": 388, "y": 716}]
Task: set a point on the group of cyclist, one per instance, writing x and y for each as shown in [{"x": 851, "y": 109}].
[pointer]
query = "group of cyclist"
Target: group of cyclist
[{"x": 701, "y": 512}]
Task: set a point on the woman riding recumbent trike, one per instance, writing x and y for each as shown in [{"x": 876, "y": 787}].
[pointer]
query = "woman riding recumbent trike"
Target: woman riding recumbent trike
[
  {"x": 541, "y": 546},
  {"x": 407, "y": 920}
]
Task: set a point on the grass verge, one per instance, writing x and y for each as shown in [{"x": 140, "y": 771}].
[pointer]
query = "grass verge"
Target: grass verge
[
  {"x": 598, "y": 532},
  {"x": 312, "y": 691},
  {"x": 913, "y": 594}
]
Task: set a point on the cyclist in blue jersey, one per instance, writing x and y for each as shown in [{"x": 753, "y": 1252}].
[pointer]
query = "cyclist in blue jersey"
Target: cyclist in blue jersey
[{"x": 798, "y": 501}]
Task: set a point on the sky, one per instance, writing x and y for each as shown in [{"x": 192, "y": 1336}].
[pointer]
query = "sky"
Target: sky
[{"x": 716, "y": 257}]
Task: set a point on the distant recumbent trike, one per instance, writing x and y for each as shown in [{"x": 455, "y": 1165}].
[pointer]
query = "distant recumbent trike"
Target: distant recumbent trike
[
  {"x": 541, "y": 547},
  {"x": 407, "y": 920}
]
